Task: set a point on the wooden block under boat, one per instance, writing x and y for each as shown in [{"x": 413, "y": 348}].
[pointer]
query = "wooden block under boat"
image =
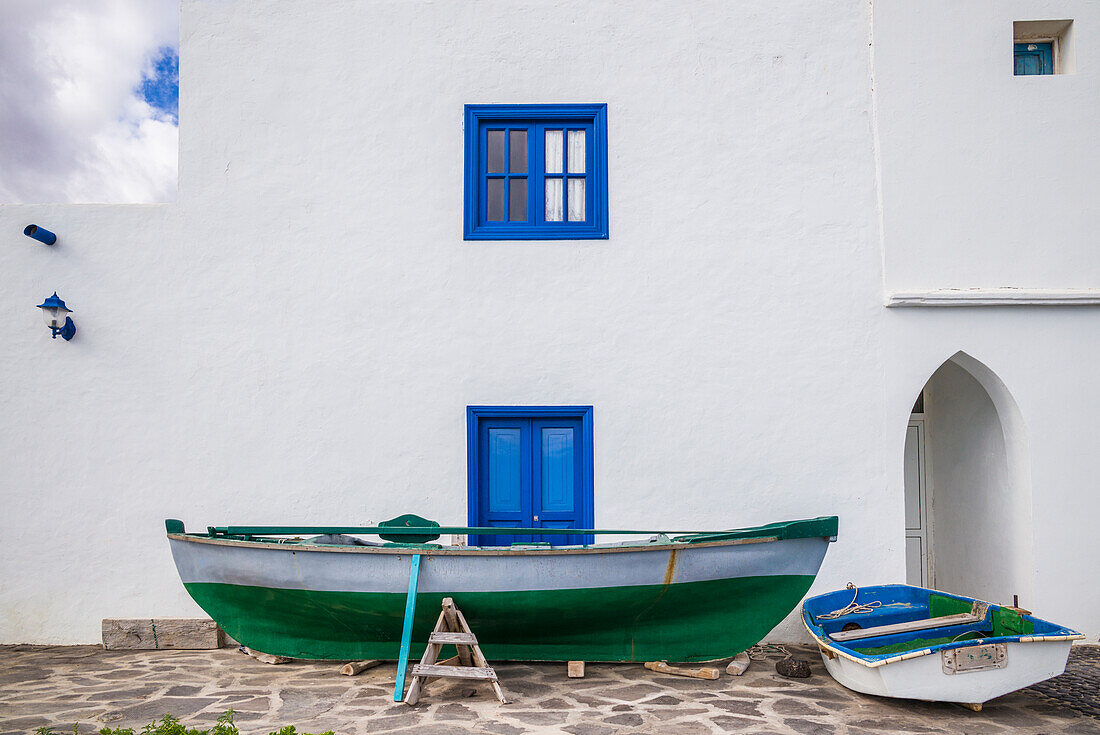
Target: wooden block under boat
[{"x": 160, "y": 633}]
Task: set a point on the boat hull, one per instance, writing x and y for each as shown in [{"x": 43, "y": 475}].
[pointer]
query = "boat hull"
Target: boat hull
[
  {"x": 675, "y": 602},
  {"x": 923, "y": 677}
]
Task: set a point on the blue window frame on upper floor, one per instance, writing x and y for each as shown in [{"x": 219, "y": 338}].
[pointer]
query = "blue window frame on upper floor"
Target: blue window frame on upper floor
[{"x": 536, "y": 172}]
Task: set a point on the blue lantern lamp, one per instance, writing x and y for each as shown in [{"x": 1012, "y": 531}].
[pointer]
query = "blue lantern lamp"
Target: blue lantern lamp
[{"x": 57, "y": 317}]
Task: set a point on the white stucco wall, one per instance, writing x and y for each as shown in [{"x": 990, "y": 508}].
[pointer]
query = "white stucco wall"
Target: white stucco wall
[
  {"x": 1045, "y": 357},
  {"x": 316, "y": 324},
  {"x": 986, "y": 182},
  {"x": 297, "y": 337},
  {"x": 986, "y": 175}
]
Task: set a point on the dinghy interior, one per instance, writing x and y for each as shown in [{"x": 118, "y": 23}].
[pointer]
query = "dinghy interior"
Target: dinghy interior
[{"x": 877, "y": 625}]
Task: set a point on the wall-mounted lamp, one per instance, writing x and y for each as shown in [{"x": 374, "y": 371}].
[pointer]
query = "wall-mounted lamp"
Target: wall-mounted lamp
[
  {"x": 40, "y": 234},
  {"x": 57, "y": 317}
]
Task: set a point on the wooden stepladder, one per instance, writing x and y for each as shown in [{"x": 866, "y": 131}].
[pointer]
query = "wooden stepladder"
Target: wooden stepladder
[{"x": 452, "y": 629}]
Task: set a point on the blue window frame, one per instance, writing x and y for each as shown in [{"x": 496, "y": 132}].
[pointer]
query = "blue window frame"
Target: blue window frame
[
  {"x": 530, "y": 467},
  {"x": 536, "y": 172},
  {"x": 1033, "y": 58}
]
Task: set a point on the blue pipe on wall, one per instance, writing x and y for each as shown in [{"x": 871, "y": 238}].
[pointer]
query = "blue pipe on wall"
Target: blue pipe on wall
[{"x": 40, "y": 234}]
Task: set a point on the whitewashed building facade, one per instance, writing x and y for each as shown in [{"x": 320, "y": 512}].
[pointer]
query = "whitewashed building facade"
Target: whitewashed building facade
[{"x": 818, "y": 214}]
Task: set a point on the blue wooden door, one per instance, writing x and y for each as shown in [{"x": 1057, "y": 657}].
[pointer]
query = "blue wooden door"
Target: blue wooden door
[
  {"x": 557, "y": 498},
  {"x": 504, "y": 474},
  {"x": 1033, "y": 58},
  {"x": 530, "y": 476}
]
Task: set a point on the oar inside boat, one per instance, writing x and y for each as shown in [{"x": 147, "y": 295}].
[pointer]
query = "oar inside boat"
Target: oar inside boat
[{"x": 409, "y": 528}]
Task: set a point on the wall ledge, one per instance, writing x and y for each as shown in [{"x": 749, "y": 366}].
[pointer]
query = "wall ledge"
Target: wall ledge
[{"x": 995, "y": 297}]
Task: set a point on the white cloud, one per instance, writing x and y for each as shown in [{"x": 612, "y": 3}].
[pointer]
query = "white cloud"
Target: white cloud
[{"x": 72, "y": 127}]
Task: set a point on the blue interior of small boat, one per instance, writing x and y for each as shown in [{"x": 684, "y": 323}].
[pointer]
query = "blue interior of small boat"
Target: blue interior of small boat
[{"x": 888, "y": 605}]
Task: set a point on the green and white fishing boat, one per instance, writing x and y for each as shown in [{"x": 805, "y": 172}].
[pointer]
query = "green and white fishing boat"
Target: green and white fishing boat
[{"x": 688, "y": 597}]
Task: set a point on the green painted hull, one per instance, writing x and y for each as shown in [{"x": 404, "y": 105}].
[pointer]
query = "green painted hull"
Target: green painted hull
[{"x": 701, "y": 621}]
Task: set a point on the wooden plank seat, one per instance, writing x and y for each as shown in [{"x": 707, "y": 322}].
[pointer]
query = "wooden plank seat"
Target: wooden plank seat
[
  {"x": 456, "y": 672},
  {"x": 976, "y": 615},
  {"x": 465, "y": 639}
]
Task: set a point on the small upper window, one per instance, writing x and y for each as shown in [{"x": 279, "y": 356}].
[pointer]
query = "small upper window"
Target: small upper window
[
  {"x": 1034, "y": 58},
  {"x": 1042, "y": 47},
  {"x": 536, "y": 172}
]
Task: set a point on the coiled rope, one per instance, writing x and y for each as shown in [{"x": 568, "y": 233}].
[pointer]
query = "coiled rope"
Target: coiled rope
[
  {"x": 851, "y": 608},
  {"x": 761, "y": 651}
]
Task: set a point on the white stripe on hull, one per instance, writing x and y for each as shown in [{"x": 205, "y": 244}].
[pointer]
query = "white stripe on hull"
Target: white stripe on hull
[{"x": 287, "y": 567}]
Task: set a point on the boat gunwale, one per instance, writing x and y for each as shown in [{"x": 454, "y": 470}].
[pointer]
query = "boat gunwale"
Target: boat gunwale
[{"x": 476, "y": 550}]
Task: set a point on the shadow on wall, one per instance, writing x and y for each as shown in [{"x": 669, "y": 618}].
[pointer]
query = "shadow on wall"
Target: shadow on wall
[{"x": 982, "y": 540}]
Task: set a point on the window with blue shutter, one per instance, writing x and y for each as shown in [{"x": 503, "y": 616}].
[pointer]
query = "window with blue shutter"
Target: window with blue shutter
[
  {"x": 1033, "y": 58},
  {"x": 536, "y": 172}
]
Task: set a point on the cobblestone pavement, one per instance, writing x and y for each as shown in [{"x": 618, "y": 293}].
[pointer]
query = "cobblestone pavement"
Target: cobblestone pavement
[
  {"x": 61, "y": 685},
  {"x": 1079, "y": 687}
]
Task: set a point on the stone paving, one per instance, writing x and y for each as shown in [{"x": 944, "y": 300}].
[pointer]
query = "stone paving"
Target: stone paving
[
  {"x": 1079, "y": 687},
  {"x": 61, "y": 685}
]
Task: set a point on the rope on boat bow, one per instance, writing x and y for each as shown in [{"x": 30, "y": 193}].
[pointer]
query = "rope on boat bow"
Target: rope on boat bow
[{"x": 851, "y": 608}]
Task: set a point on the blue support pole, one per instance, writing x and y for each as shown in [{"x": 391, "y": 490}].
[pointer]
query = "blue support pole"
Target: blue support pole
[{"x": 406, "y": 632}]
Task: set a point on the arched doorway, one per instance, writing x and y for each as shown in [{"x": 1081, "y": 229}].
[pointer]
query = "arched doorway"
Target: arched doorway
[{"x": 968, "y": 486}]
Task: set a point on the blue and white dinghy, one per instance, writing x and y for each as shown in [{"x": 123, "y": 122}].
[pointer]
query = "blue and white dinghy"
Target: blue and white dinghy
[{"x": 915, "y": 643}]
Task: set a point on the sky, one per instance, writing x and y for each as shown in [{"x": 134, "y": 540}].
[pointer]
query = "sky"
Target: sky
[{"x": 89, "y": 100}]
